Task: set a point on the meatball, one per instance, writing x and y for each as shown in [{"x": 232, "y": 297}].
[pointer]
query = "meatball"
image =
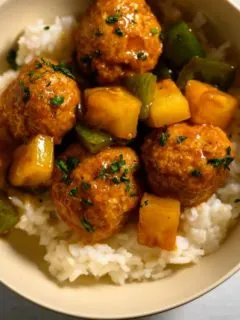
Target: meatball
[
  {"x": 117, "y": 38},
  {"x": 187, "y": 162},
  {"x": 96, "y": 194},
  {"x": 42, "y": 100}
]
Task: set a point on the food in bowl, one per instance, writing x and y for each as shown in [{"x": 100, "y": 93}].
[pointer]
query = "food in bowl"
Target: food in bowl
[{"x": 120, "y": 139}]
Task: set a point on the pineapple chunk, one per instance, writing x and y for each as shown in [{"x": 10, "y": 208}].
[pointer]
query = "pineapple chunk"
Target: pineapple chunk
[
  {"x": 158, "y": 222},
  {"x": 169, "y": 106},
  {"x": 114, "y": 110},
  {"x": 33, "y": 163},
  {"x": 209, "y": 105}
]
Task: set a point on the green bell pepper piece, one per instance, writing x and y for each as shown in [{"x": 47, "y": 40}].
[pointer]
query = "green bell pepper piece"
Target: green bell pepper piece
[
  {"x": 94, "y": 141},
  {"x": 210, "y": 71},
  {"x": 143, "y": 86},
  {"x": 181, "y": 45},
  {"x": 8, "y": 215}
]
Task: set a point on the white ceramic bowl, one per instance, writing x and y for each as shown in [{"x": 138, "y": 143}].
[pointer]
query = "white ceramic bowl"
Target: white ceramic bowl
[{"x": 22, "y": 268}]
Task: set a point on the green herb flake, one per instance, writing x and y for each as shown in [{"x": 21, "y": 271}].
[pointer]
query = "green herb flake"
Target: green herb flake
[
  {"x": 59, "y": 68},
  {"x": 116, "y": 180},
  {"x": 117, "y": 165},
  {"x": 181, "y": 139},
  {"x": 113, "y": 19},
  {"x": 142, "y": 55},
  {"x": 163, "y": 138},
  {"x": 85, "y": 186},
  {"x": 72, "y": 163},
  {"x": 46, "y": 28},
  {"x": 222, "y": 162},
  {"x": 62, "y": 165},
  {"x": 196, "y": 173},
  {"x": 26, "y": 92},
  {"x": 144, "y": 204},
  {"x": 154, "y": 31},
  {"x": 57, "y": 101},
  {"x": 119, "y": 32},
  {"x": 38, "y": 65},
  {"x": 11, "y": 59},
  {"x": 73, "y": 192},
  {"x": 87, "y": 202},
  {"x": 87, "y": 225}
]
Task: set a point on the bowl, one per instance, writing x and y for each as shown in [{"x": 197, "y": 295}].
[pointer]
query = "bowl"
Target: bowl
[{"x": 22, "y": 267}]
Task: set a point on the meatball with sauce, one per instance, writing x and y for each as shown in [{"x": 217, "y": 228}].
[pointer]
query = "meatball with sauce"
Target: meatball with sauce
[
  {"x": 42, "y": 100},
  {"x": 96, "y": 194},
  {"x": 187, "y": 162},
  {"x": 117, "y": 38}
]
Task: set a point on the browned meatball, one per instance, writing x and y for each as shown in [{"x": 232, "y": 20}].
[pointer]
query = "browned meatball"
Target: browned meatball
[
  {"x": 96, "y": 194},
  {"x": 116, "y": 38},
  {"x": 41, "y": 101},
  {"x": 187, "y": 162}
]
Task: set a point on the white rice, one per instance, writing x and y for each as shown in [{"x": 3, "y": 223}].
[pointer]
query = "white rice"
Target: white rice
[
  {"x": 202, "y": 229},
  {"x": 55, "y": 42}
]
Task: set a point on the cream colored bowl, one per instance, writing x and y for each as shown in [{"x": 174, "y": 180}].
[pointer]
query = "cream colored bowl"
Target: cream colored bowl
[{"x": 22, "y": 268}]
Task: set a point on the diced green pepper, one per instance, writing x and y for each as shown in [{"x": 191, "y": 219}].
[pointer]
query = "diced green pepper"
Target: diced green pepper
[
  {"x": 181, "y": 45},
  {"x": 94, "y": 141},
  {"x": 8, "y": 215},
  {"x": 213, "y": 72},
  {"x": 143, "y": 86}
]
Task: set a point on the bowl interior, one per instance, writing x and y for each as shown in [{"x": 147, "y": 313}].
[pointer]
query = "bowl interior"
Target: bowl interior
[{"x": 22, "y": 266}]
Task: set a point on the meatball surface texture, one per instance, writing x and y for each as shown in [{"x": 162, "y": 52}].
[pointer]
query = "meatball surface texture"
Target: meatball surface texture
[
  {"x": 187, "y": 162},
  {"x": 41, "y": 100},
  {"x": 116, "y": 38},
  {"x": 96, "y": 194}
]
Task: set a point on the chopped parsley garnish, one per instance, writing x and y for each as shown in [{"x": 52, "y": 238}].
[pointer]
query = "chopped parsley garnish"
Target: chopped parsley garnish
[
  {"x": 144, "y": 204},
  {"x": 38, "y": 65},
  {"x": 142, "y": 55},
  {"x": 72, "y": 163},
  {"x": 73, "y": 192},
  {"x": 67, "y": 167},
  {"x": 222, "y": 162},
  {"x": 11, "y": 59},
  {"x": 87, "y": 225},
  {"x": 163, "y": 138},
  {"x": 114, "y": 168},
  {"x": 154, "y": 31},
  {"x": 57, "y": 101},
  {"x": 99, "y": 33},
  {"x": 181, "y": 139},
  {"x": 119, "y": 32},
  {"x": 26, "y": 92},
  {"x": 196, "y": 173},
  {"x": 59, "y": 68},
  {"x": 87, "y": 202},
  {"x": 85, "y": 186},
  {"x": 46, "y": 28},
  {"x": 116, "y": 180},
  {"x": 113, "y": 19},
  {"x": 117, "y": 165},
  {"x": 62, "y": 165}
]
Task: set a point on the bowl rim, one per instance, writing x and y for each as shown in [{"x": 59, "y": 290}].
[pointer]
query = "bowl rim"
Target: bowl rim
[
  {"x": 39, "y": 302},
  {"x": 81, "y": 314}
]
